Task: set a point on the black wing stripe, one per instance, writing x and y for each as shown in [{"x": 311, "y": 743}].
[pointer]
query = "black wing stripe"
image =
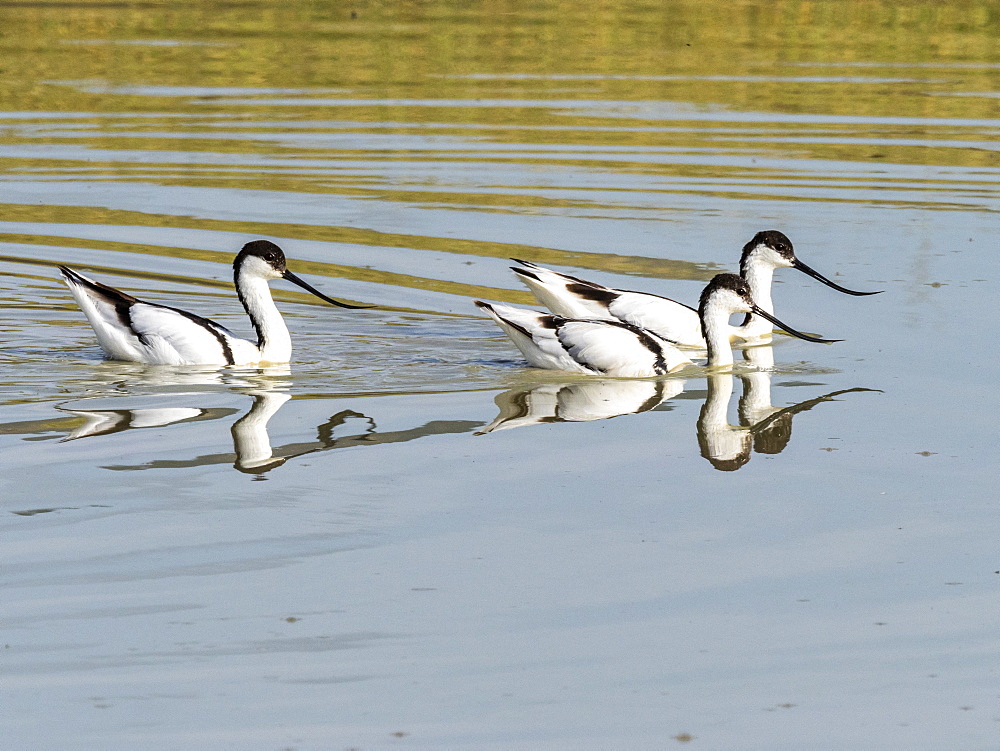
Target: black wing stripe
[
  {"x": 576, "y": 359},
  {"x": 569, "y": 277},
  {"x": 591, "y": 292},
  {"x": 525, "y": 273},
  {"x": 219, "y": 332},
  {"x": 120, "y": 301},
  {"x": 647, "y": 341}
]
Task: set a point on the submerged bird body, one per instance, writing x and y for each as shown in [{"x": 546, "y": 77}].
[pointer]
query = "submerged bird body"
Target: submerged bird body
[
  {"x": 669, "y": 319},
  {"x": 620, "y": 349},
  {"x": 134, "y": 330}
]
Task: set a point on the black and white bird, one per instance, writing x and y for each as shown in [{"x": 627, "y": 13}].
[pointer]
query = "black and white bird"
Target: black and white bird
[
  {"x": 130, "y": 329},
  {"x": 621, "y": 349},
  {"x": 572, "y": 297}
]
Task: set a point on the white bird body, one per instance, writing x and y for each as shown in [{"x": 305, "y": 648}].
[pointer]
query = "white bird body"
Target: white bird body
[
  {"x": 586, "y": 346},
  {"x": 571, "y": 297},
  {"x": 620, "y": 349},
  {"x": 137, "y": 331},
  {"x": 669, "y": 319}
]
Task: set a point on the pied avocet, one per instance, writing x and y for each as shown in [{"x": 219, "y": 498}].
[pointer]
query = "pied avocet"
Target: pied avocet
[
  {"x": 130, "y": 329},
  {"x": 676, "y": 322},
  {"x": 620, "y": 349}
]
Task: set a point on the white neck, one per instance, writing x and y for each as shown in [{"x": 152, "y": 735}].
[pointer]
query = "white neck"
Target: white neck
[
  {"x": 272, "y": 335},
  {"x": 759, "y": 276},
  {"x": 715, "y": 324}
]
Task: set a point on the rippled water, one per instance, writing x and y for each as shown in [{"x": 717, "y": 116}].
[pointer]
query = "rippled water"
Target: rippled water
[{"x": 408, "y": 538}]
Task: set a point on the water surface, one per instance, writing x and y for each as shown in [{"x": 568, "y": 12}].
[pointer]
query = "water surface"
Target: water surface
[{"x": 408, "y": 538}]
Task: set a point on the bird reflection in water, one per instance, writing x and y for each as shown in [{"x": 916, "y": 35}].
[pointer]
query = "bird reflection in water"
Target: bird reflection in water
[
  {"x": 252, "y": 450},
  {"x": 580, "y": 400},
  {"x": 108, "y": 421},
  {"x": 164, "y": 382},
  {"x": 252, "y": 444},
  {"x": 726, "y": 446},
  {"x": 763, "y": 427}
]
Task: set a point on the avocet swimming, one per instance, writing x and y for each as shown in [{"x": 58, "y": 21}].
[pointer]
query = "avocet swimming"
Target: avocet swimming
[
  {"x": 621, "y": 349},
  {"x": 130, "y": 329},
  {"x": 676, "y": 322}
]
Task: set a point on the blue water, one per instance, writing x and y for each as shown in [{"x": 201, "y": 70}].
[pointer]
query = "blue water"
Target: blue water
[{"x": 408, "y": 538}]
